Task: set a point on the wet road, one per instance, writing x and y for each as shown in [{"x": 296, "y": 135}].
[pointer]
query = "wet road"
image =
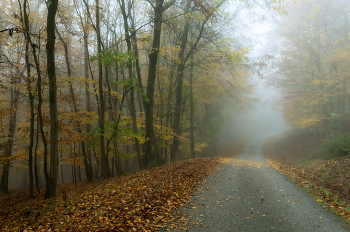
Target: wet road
[{"x": 247, "y": 194}]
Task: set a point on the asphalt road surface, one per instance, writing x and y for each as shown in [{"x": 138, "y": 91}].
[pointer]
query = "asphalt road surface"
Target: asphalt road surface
[{"x": 247, "y": 194}]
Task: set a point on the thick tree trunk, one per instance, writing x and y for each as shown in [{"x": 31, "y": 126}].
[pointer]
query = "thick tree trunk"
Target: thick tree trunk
[
  {"x": 150, "y": 143},
  {"x": 51, "y": 71}
]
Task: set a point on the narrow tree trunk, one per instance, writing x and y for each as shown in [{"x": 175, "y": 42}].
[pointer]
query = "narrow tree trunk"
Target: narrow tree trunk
[
  {"x": 4, "y": 185},
  {"x": 116, "y": 158},
  {"x": 31, "y": 100},
  {"x": 105, "y": 172},
  {"x": 35, "y": 156},
  {"x": 31, "y": 142},
  {"x": 116, "y": 154},
  {"x": 168, "y": 109},
  {"x": 97, "y": 163},
  {"x": 31, "y": 103},
  {"x": 40, "y": 99},
  {"x": 181, "y": 157},
  {"x": 87, "y": 95},
  {"x": 41, "y": 128},
  {"x": 9, "y": 141},
  {"x": 191, "y": 110},
  {"x": 137, "y": 62},
  {"x": 88, "y": 167},
  {"x": 62, "y": 164},
  {"x": 180, "y": 75},
  {"x": 132, "y": 94}
]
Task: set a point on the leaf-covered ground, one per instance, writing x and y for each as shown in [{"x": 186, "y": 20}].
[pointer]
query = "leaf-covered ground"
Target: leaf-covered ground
[
  {"x": 327, "y": 180},
  {"x": 137, "y": 202}
]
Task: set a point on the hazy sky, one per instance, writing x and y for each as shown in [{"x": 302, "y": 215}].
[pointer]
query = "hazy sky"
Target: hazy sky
[{"x": 261, "y": 117}]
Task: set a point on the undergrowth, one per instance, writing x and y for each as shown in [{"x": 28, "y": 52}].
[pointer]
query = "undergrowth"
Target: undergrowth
[{"x": 339, "y": 146}]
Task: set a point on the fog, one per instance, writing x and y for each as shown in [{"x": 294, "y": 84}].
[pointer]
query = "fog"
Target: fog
[
  {"x": 259, "y": 118},
  {"x": 262, "y": 116}
]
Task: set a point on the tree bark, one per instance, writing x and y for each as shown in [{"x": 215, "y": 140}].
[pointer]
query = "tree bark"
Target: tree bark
[
  {"x": 191, "y": 109},
  {"x": 87, "y": 96},
  {"x": 180, "y": 75},
  {"x": 35, "y": 156},
  {"x": 137, "y": 62},
  {"x": 31, "y": 102},
  {"x": 168, "y": 109},
  {"x": 132, "y": 93},
  {"x": 105, "y": 172},
  {"x": 51, "y": 71},
  {"x": 9, "y": 141},
  {"x": 151, "y": 143}
]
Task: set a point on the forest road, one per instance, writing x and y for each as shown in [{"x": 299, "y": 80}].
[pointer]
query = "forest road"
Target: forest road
[{"x": 247, "y": 194}]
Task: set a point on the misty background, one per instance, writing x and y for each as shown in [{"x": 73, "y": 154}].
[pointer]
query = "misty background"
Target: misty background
[{"x": 263, "y": 116}]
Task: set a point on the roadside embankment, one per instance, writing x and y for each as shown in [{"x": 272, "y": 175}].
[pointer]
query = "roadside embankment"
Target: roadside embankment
[{"x": 304, "y": 159}]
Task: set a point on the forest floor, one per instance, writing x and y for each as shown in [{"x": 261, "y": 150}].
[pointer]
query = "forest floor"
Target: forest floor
[
  {"x": 144, "y": 201},
  {"x": 328, "y": 181}
]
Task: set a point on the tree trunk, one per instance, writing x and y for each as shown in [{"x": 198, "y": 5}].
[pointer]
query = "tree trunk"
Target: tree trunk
[
  {"x": 62, "y": 179},
  {"x": 31, "y": 103},
  {"x": 116, "y": 158},
  {"x": 9, "y": 142},
  {"x": 35, "y": 156},
  {"x": 132, "y": 93},
  {"x": 180, "y": 75},
  {"x": 87, "y": 164},
  {"x": 105, "y": 172},
  {"x": 150, "y": 143},
  {"x": 25, "y": 21},
  {"x": 180, "y": 69},
  {"x": 191, "y": 110},
  {"x": 97, "y": 163},
  {"x": 168, "y": 109},
  {"x": 87, "y": 96},
  {"x": 137, "y": 62},
  {"x": 51, "y": 71}
]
